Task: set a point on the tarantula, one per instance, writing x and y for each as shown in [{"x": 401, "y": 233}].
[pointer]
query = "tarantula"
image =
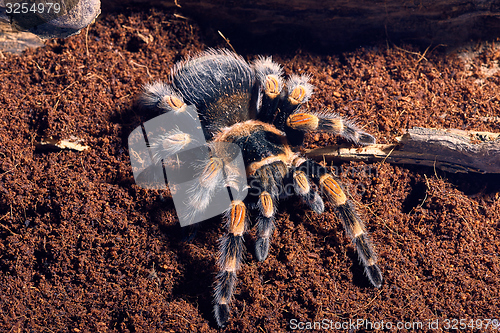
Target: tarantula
[{"x": 253, "y": 107}]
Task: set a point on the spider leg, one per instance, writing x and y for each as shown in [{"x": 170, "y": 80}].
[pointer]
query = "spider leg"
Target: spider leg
[
  {"x": 268, "y": 181},
  {"x": 298, "y": 92},
  {"x": 351, "y": 221},
  {"x": 210, "y": 180},
  {"x": 161, "y": 96},
  {"x": 167, "y": 145},
  {"x": 266, "y": 210},
  {"x": 221, "y": 173},
  {"x": 170, "y": 140},
  {"x": 322, "y": 121},
  {"x": 229, "y": 261},
  {"x": 305, "y": 189},
  {"x": 270, "y": 82}
]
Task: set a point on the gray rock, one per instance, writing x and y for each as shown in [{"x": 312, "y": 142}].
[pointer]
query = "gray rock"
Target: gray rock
[{"x": 49, "y": 18}]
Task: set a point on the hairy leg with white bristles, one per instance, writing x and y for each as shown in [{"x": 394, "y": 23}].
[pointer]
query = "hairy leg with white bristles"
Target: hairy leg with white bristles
[
  {"x": 161, "y": 96},
  {"x": 266, "y": 209},
  {"x": 270, "y": 83},
  {"x": 214, "y": 176},
  {"x": 209, "y": 180},
  {"x": 329, "y": 122},
  {"x": 307, "y": 191},
  {"x": 268, "y": 181},
  {"x": 352, "y": 223},
  {"x": 169, "y": 144},
  {"x": 229, "y": 261},
  {"x": 298, "y": 92}
]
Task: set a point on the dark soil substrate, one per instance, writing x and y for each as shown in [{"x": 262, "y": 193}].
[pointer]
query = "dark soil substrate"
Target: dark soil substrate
[{"x": 83, "y": 249}]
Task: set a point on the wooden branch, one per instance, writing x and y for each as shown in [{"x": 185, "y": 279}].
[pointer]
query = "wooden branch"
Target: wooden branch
[
  {"x": 72, "y": 143},
  {"x": 449, "y": 150},
  {"x": 343, "y": 24}
]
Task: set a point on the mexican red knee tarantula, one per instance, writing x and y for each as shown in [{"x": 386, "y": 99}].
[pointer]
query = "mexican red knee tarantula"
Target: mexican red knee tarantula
[{"x": 253, "y": 107}]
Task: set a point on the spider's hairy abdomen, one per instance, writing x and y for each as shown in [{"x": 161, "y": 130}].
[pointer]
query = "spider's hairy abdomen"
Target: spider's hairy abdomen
[{"x": 219, "y": 84}]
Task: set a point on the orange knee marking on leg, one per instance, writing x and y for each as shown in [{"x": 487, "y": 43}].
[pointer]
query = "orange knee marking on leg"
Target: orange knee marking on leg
[
  {"x": 238, "y": 215},
  {"x": 266, "y": 203},
  {"x": 297, "y": 96},
  {"x": 303, "y": 121},
  {"x": 272, "y": 86},
  {"x": 210, "y": 172},
  {"x": 174, "y": 103},
  {"x": 333, "y": 189},
  {"x": 301, "y": 181}
]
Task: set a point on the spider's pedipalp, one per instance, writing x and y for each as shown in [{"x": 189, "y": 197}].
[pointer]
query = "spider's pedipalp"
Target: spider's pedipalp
[
  {"x": 333, "y": 123},
  {"x": 298, "y": 92},
  {"x": 301, "y": 183},
  {"x": 314, "y": 201},
  {"x": 161, "y": 96},
  {"x": 265, "y": 225},
  {"x": 229, "y": 260},
  {"x": 270, "y": 81},
  {"x": 266, "y": 204}
]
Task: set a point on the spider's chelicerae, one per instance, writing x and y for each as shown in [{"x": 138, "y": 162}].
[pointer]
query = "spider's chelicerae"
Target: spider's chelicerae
[{"x": 254, "y": 107}]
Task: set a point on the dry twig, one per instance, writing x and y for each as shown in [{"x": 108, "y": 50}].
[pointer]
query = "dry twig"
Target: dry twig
[{"x": 450, "y": 150}]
